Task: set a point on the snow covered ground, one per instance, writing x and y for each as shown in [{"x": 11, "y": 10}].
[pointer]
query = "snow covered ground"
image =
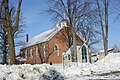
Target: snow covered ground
[{"x": 107, "y": 68}]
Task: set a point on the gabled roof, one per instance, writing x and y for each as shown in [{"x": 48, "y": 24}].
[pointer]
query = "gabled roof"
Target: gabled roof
[{"x": 43, "y": 37}]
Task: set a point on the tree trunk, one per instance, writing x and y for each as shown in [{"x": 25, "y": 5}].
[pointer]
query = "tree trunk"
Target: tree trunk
[
  {"x": 12, "y": 47},
  {"x": 69, "y": 37},
  {"x": 106, "y": 27},
  {"x": 74, "y": 44},
  {"x": 11, "y": 29},
  {"x": 106, "y": 47}
]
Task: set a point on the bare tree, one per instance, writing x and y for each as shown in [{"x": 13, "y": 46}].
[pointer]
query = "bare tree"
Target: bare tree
[
  {"x": 75, "y": 11},
  {"x": 3, "y": 39},
  {"x": 115, "y": 9},
  {"x": 69, "y": 8},
  {"x": 4, "y": 44},
  {"x": 11, "y": 26},
  {"x": 104, "y": 23},
  {"x": 90, "y": 32}
]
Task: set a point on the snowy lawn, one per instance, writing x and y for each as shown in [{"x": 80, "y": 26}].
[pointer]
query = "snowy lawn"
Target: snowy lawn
[
  {"x": 29, "y": 72},
  {"x": 107, "y": 68},
  {"x": 111, "y": 63}
]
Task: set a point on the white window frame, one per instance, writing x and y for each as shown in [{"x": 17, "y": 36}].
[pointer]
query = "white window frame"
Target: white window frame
[
  {"x": 31, "y": 53},
  {"x": 37, "y": 51},
  {"x": 26, "y": 54},
  {"x": 44, "y": 50}
]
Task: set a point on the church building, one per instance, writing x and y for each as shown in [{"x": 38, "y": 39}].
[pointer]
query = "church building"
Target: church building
[{"x": 54, "y": 46}]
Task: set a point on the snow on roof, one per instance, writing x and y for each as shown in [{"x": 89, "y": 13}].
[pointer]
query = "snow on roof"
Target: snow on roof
[
  {"x": 43, "y": 37},
  {"x": 101, "y": 51}
]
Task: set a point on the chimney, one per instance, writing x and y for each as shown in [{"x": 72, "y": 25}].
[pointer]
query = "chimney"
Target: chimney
[{"x": 27, "y": 38}]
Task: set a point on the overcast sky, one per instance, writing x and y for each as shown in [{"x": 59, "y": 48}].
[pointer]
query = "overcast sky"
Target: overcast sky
[{"x": 36, "y": 23}]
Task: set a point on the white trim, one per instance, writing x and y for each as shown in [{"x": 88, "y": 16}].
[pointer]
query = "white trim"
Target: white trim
[{"x": 44, "y": 50}]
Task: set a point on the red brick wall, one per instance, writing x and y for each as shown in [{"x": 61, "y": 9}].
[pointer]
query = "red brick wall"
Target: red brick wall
[{"x": 61, "y": 40}]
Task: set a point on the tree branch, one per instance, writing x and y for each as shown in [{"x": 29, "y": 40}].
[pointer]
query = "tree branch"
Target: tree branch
[{"x": 17, "y": 18}]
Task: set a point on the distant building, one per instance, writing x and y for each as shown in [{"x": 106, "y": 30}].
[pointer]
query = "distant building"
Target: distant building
[
  {"x": 100, "y": 55},
  {"x": 53, "y": 45},
  {"x": 110, "y": 50}
]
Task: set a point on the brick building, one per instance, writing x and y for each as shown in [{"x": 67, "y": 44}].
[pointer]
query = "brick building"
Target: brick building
[{"x": 49, "y": 46}]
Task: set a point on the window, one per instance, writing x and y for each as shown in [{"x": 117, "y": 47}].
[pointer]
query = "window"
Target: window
[
  {"x": 31, "y": 53},
  {"x": 68, "y": 57},
  {"x": 56, "y": 50},
  {"x": 26, "y": 54},
  {"x": 45, "y": 50},
  {"x": 36, "y": 51},
  {"x": 84, "y": 54}
]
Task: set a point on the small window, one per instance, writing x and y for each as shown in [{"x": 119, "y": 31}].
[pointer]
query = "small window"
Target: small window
[
  {"x": 36, "y": 51},
  {"x": 68, "y": 57},
  {"x": 26, "y": 54},
  {"x": 45, "y": 50},
  {"x": 56, "y": 50},
  {"x": 31, "y": 53}
]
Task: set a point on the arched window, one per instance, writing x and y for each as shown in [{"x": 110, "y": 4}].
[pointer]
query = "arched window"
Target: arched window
[
  {"x": 56, "y": 50},
  {"x": 45, "y": 50},
  {"x": 84, "y": 54}
]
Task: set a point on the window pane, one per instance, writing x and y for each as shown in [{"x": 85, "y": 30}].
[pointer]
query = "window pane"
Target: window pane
[
  {"x": 36, "y": 51},
  {"x": 45, "y": 51},
  {"x": 68, "y": 57},
  {"x": 56, "y": 50},
  {"x": 26, "y": 54},
  {"x": 31, "y": 53},
  {"x": 84, "y": 54}
]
